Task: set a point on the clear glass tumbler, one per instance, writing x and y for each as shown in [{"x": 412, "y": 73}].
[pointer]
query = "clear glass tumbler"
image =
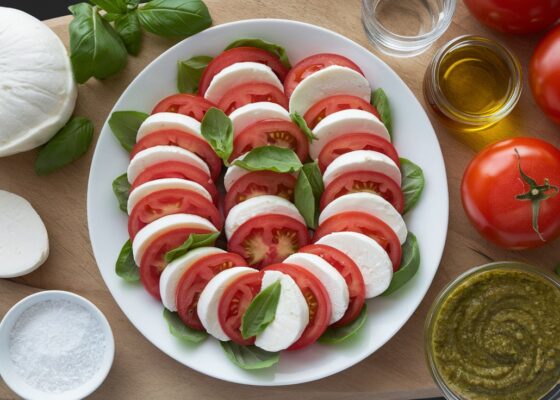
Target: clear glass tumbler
[{"x": 405, "y": 28}]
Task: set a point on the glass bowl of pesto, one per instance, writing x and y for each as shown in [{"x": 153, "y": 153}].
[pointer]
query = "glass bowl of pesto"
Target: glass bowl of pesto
[{"x": 494, "y": 334}]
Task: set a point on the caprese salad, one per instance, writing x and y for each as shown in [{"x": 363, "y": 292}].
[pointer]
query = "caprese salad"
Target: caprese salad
[{"x": 308, "y": 214}]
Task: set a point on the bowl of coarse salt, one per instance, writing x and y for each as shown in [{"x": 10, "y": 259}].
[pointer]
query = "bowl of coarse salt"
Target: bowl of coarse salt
[{"x": 55, "y": 345}]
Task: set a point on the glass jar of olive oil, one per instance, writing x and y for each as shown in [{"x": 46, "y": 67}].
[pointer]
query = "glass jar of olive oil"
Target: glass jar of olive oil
[{"x": 472, "y": 83}]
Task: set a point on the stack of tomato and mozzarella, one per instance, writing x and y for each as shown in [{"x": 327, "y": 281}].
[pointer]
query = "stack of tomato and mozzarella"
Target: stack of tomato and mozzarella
[{"x": 173, "y": 172}]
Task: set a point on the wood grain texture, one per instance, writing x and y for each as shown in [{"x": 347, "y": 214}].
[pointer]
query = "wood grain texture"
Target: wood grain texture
[{"x": 140, "y": 371}]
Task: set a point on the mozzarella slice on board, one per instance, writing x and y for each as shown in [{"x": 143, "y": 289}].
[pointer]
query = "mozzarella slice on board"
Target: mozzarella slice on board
[
  {"x": 158, "y": 154},
  {"x": 292, "y": 314},
  {"x": 37, "y": 90},
  {"x": 166, "y": 120},
  {"x": 24, "y": 243},
  {"x": 257, "y": 206},
  {"x": 247, "y": 115},
  {"x": 362, "y": 160},
  {"x": 368, "y": 203},
  {"x": 174, "y": 271},
  {"x": 328, "y": 82},
  {"x": 238, "y": 74},
  {"x": 344, "y": 122},
  {"x": 160, "y": 226},
  {"x": 331, "y": 279},
  {"x": 158, "y": 185},
  {"x": 207, "y": 307},
  {"x": 374, "y": 262}
]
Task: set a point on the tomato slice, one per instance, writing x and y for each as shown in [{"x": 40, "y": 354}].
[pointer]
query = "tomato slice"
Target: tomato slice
[
  {"x": 268, "y": 239},
  {"x": 351, "y": 274},
  {"x": 364, "y": 181},
  {"x": 195, "y": 279},
  {"x": 153, "y": 261},
  {"x": 275, "y": 132},
  {"x": 171, "y": 201},
  {"x": 177, "y": 169},
  {"x": 312, "y": 64},
  {"x": 234, "y": 302},
  {"x": 236, "y": 55},
  {"x": 186, "y": 104},
  {"x": 355, "y": 221},
  {"x": 336, "y": 103},
  {"x": 249, "y": 93},
  {"x": 259, "y": 183},
  {"x": 317, "y": 299},
  {"x": 172, "y": 137},
  {"x": 355, "y": 141}
]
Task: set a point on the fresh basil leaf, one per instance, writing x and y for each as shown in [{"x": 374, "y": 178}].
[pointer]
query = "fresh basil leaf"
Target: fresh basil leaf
[
  {"x": 112, "y": 6},
  {"x": 412, "y": 183},
  {"x": 249, "y": 357},
  {"x": 132, "y": 4},
  {"x": 69, "y": 144},
  {"x": 270, "y": 158},
  {"x": 217, "y": 129},
  {"x": 189, "y": 73},
  {"x": 181, "y": 331},
  {"x": 194, "y": 241},
  {"x": 111, "y": 17},
  {"x": 261, "y": 312},
  {"x": 96, "y": 50},
  {"x": 336, "y": 335},
  {"x": 175, "y": 17},
  {"x": 275, "y": 49},
  {"x": 125, "y": 267},
  {"x": 307, "y": 193},
  {"x": 128, "y": 28},
  {"x": 380, "y": 101},
  {"x": 302, "y": 125},
  {"x": 410, "y": 263},
  {"x": 121, "y": 188},
  {"x": 125, "y": 125}
]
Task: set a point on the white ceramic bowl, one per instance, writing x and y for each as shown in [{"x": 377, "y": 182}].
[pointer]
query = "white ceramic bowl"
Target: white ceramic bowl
[
  {"x": 414, "y": 138},
  {"x": 8, "y": 370}
]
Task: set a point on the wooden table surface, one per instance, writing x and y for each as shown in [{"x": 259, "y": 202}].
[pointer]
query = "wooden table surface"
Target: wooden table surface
[{"x": 140, "y": 370}]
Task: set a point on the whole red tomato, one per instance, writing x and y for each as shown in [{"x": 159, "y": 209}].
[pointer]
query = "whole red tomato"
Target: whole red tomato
[
  {"x": 510, "y": 192},
  {"x": 544, "y": 74},
  {"x": 516, "y": 16}
]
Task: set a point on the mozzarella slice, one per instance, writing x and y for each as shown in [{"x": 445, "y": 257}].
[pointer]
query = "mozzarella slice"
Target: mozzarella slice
[
  {"x": 37, "y": 90},
  {"x": 161, "y": 226},
  {"x": 166, "y": 120},
  {"x": 158, "y": 154},
  {"x": 207, "y": 307},
  {"x": 292, "y": 314},
  {"x": 362, "y": 160},
  {"x": 369, "y": 256},
  {"x": 239, "y": 74},
  {"x": 331, "y": 279},
  {"x": 247, "y": 115},
  {"x": 328, "y": 82},
  {"x": 175, "y": 270},
  {"x": 158, "y": 185},
  {"x": 343, "y": 122},
  {"x": 257, "y": 206},
  {"x": 24, "y": 243}
]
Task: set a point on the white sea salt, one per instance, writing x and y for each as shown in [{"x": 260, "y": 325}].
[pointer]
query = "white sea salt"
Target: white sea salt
[{"x": 57, "y": 345}]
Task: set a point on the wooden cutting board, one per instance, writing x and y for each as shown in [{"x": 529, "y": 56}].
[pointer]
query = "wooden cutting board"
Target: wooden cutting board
[{"x": 140, "y": 370}]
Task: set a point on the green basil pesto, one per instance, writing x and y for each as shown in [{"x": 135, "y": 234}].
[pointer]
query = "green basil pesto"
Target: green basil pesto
[{"x": 497, "y": 336}]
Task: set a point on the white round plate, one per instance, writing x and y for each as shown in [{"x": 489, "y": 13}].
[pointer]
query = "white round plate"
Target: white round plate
[{"x": 414, "y": 138}]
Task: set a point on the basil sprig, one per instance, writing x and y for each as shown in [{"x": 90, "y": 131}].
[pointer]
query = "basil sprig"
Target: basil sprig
[
  {"x": 111, "y": 6},
  {"x": 302, "y": 125},
  {"x": 380, "y": 101},
  {"x": 217, "y": 129},
  {"x": 125, "y": 125},
  {"x": 69, "y": 144},
  {"x": 336, "y": 335},
  {"x": 409, "y": 264},
  {"x": 125, "y": 267},
  {"x": 270, "y": 158},
  {"x": 174, "y": 17},
  {"x": 121, "y": 188},
  {"x": 261, "y": 312},
  {"x": 412, "y": 183},
  {"x": 195, "y": 240},
  {"x": 129, "y": 30},
  {"x": 181, "y": 331},
  {"x": 275, "y": 49},
  {"x": 307, "y": 193},
  {"x": 249, "y": 357},
  {"x": 189, "y": 73}
]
